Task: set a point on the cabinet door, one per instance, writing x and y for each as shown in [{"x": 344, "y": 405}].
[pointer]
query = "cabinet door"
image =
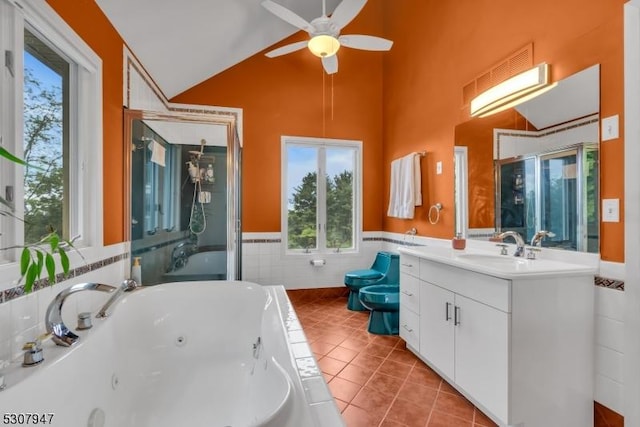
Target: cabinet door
[
  {"x": 482, "y": 353},
  {"x": 436, "y": 327}
]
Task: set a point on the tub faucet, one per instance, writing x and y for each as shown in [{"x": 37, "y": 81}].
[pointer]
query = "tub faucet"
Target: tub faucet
[
  {"x": 536, "y": 240},
  {"x": 60, "y": 333},
  {"x": 126, "y": 286},
  {"x": 517, "y": 237}
]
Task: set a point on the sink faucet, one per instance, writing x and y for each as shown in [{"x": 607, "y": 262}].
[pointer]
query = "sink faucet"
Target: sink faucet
[
  {"x": 61, "y": 334},
  {"x": 536, "y": 240},
  {"x": 517, "y": 237}
]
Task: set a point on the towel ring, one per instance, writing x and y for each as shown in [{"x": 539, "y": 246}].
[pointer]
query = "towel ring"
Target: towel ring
[{"x": 435, "y": 208}]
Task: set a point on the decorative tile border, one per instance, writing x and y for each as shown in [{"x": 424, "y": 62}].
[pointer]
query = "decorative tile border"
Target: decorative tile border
[
  {"x": 262, "y": 241},
  {"x": 18, "y": 291},
  {"x": 618, "y": 285}
]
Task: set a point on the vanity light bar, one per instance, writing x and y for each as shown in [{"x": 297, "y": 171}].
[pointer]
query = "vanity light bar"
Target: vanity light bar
[{"x": 512, "y": 91}]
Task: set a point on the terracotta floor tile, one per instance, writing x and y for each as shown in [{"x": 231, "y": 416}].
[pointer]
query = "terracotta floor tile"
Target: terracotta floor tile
[
  {"x": 330, "y": 338},
  {"x": 388, "y": 340},
  {"x": 448, "y": 388},
  {"x": 353, "y": 343},
  {"x": 322, "y": 348},
  {"x": 341, "y": 405},
  {"x": 356, "y": 374},
  {"x": 342, "y": 353},
  {"x": 418, "y": 394},
  {"x": 377, "y": 350},
  {"x": 343, "y": 389},
  {"x": 389, "y": 423},
  {"x": 403, "y": 356},
  {"x": 409, "y": 413},
  {"x": 454, "y": 405},
  {"x": 327, "y": 377},
  {"x": 424, "y": 376},
  {"x": 358, "y": 417},
  {"x": 395, "y": 369},
  {"x": 373, "y": 400},
  {"x": 367, "y": 361},
  {"x": 440, "y": 419},
  {"x": 481, "y": 419},
  {"x": 385, "y": 383},
  {"x": 331, "y": 366}
]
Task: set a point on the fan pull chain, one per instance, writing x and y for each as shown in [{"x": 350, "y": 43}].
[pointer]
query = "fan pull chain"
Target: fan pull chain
[
  {"x": 324, "y": 114},
  {"x": 331, "y": 97}
]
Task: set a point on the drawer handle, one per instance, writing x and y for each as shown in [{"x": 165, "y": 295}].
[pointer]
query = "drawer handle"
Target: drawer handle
[
  {"x": 447, "y": 316},
  {"x": 409, "y": 294},
  {"x": 407, "y": 328},
  {"x": 407, "y": 265},
  {"x": 456, "y": 315}
]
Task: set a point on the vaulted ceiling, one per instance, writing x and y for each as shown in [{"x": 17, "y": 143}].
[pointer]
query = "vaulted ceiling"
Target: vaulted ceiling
[{"x": 182, "y": 43}]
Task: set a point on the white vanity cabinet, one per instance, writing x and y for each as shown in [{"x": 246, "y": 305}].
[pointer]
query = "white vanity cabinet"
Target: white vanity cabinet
[
  {"x": 410, "y": 300},
  {"x": 520, "y": 348}
]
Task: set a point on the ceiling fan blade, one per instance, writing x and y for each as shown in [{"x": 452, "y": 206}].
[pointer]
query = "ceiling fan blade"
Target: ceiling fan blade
[
  {"x": 286, "y": 15},
  {"x": 330, "y": 64},
  {"x": 359, "y": 41},
  {"x": 346, "y": 11},
  {"x": 288, "y": 48}
]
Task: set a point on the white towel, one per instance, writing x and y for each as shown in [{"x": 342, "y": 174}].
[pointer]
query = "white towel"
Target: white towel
[
  {"x": 158, "y": 153},
  {"x": 406, "y": 187}
]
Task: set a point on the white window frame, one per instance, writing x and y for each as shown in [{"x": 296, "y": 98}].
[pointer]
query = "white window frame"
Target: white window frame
[
  {"x": 357, "y": 197},
  {"x": 85, "y": 125}
]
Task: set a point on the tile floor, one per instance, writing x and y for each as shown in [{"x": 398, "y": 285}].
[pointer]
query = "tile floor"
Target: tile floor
[{"x": 375, "y": 380}]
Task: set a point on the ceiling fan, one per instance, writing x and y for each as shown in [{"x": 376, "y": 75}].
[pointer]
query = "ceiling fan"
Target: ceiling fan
[{"x": 325, "y": 33}]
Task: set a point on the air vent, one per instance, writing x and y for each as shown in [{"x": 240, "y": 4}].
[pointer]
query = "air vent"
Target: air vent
[{"x": 517, "y": 62}]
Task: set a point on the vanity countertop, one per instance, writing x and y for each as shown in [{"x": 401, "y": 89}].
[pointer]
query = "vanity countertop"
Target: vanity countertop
[{"x": 502, "y": 266}]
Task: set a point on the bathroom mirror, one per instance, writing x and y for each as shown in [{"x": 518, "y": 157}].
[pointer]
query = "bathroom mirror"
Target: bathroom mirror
[
  {"x": 183, "y": 201},
  {"x": 534, "y": 167}
]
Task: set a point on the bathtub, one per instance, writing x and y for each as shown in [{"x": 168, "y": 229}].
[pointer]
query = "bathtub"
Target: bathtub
[
  {"x": 216, "y": 353},
  {"x": 207, "y": 265}
]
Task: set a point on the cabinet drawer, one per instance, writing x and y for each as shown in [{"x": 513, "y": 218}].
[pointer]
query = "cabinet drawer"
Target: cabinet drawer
[
  {"x": 409, "y": 327},
  {"x": 409, "y": 265},
  {"x": 410, "y": 292},
  {"x": 493, "y": 291}
]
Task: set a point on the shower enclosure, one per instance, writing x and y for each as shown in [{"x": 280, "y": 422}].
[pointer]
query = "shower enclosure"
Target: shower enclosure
[
  {"x": 557, "y": 192},
  {"x": 183, "y": 201}
]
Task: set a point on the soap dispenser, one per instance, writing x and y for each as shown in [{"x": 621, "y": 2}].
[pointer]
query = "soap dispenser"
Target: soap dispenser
[{"x": 136, "y": 270}]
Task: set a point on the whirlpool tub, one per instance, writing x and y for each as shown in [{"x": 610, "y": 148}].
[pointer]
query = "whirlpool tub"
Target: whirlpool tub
[{"x": 181, "y": 354}]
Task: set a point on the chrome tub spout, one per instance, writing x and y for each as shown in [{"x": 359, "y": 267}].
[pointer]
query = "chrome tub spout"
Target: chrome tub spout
[{"x": 60, "y": 333}]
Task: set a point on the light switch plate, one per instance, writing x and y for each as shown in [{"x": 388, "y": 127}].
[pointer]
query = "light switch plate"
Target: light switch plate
[
  {"x": 610, "y": 128},
  {"x": 438, "y": 168},
  {"x": 610, "y": 210}
]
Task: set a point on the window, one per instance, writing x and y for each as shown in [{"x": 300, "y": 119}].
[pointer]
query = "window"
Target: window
[
  {"x": 45, "y": 139},
  {"x": 50, "y": 115},
  {"x": 321, "y": 194}
]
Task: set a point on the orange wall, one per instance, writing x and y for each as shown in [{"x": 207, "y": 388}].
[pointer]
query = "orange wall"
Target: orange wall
[
  {"x": 88, "y": 21},
  {"x": 284, "y": 96},
  {"x": 439, "y": 46}
]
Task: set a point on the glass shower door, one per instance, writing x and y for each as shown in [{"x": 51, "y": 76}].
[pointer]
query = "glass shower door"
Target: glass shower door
[{"x": 559, "y": 189}]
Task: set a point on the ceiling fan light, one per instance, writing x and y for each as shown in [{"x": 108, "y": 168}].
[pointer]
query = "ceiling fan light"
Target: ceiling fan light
[{"x": 324, "y": 45}]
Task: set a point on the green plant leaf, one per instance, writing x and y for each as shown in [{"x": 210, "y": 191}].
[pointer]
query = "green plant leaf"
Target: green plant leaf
[
  {"x": 51, "y": 268},
  {"x": 40, "y": 257},
  {"x": 25, "y": 259},
  {"x": 54, "y": 240},
  {"x": 7, "y": 155},
  {"x": 31, "y": 277},
  {"x": 64, "y": 260}
]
